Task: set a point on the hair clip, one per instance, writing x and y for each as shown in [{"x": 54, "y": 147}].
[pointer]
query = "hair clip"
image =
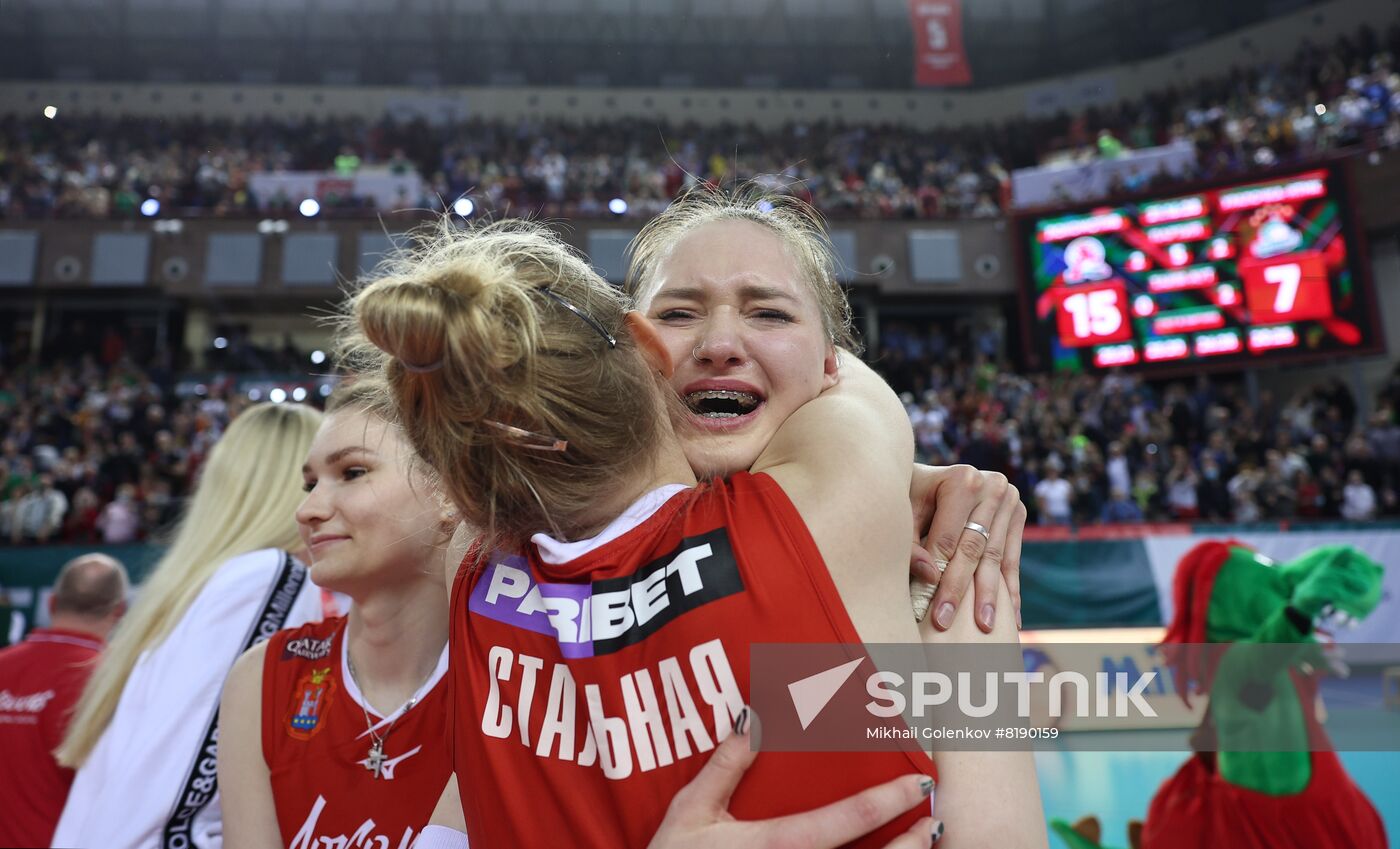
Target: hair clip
[
  {"x": 529, "y": 439},
  {"x": 417, "y": 369},
  {"x": 592, "y": 322}
]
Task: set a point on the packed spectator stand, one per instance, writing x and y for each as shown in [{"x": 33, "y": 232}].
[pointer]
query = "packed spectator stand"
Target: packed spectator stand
[
  {"x": 1088, "y": 449},
  {"x": 99, "y": 449},
  {"x": 105, "y": 452},
  {"x": 1345, "y": 96},
  {"x": 103, "y": 449}
]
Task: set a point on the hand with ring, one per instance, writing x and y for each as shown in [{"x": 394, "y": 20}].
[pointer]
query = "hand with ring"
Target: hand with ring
[{"x": 967, "y": 526}]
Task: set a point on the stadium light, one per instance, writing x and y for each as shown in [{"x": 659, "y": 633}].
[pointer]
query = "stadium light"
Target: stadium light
[
  {"x": 464, "y": 207},
  {"x": 318, "y": 357},
  {"x": 299, "y": 394},
  {"x": 1320, "y": 109},
  {"x": 277, "y": 395},
  {"x": 220, "y": 342},
  {"x": 150, "y": 207},
  {"x": 309, "y": 207},
  {"x": 325, "y": 390},
  {"x": 50, "y": 112},
  {"x": 617, "y": 206},
  {"x": 254, "y": 394}
]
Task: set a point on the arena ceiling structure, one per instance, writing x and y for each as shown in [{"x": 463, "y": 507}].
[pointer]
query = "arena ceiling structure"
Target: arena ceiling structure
[{"x": 841, "y": 44}]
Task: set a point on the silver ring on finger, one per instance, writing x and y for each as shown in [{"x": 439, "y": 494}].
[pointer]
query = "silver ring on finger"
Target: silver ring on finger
[{"x": 981, "y": 529}]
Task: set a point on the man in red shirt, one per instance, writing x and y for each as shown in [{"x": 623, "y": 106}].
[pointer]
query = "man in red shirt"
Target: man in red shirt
[{"x": 40, "y": 680}]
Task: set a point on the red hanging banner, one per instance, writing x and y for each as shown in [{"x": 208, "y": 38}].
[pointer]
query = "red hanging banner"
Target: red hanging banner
[{"x": 939, "y": 59}]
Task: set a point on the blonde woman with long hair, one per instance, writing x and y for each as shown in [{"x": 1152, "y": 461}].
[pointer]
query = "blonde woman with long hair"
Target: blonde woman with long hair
[{"x": 144, "y": 735}]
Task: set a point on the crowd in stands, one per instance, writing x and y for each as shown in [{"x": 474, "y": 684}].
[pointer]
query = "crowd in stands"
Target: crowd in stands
[
  {"x": 101, "y": 451},
  {"x": 1322, "y": 100},
  {"x": 1086, "y": 449},
  {"x": 1346, "y": 95},
  {"x": 97, "y": 449}
]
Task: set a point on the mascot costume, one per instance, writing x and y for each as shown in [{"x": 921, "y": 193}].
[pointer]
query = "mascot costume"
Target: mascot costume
[{"x": 1240, "y": 796}]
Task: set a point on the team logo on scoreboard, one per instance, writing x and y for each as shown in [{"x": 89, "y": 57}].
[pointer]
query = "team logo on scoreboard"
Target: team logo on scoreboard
[
  {"x": 1084, "y": 260},
  {"x": 310, "y": 698},
  {"x": 1275, "y": 237}
]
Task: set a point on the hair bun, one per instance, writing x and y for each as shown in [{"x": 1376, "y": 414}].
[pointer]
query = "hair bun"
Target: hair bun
[
  {"x": 468, "y": 320},
  {"x": 406, "y": 320},
  {"x": 522, "y": 375}
]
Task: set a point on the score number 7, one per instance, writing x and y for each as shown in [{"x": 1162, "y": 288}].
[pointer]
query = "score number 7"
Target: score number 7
[{"x": 1287, "y": 277}]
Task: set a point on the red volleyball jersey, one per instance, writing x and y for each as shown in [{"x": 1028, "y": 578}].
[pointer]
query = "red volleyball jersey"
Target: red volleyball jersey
[
  {"x": 589, "y": 689},
  {"x": 40, "y": 682},
  {"x": 317, "y": 747}
]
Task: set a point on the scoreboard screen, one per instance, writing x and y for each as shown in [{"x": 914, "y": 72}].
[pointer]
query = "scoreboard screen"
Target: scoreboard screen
[{"x": 1236, "y": 274}]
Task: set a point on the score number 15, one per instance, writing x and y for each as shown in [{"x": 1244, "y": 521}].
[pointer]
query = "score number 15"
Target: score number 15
[{"x": 1094, "y": 316}]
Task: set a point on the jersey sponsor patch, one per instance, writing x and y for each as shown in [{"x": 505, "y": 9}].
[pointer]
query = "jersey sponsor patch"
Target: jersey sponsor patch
[
  {"x": 602, "y": 617},
  {"x": 310, "y": 699},
  {"x": 24, "y": 702},
  {"x": 368, "y": 835},
  {"x": 307, "y": 648}
]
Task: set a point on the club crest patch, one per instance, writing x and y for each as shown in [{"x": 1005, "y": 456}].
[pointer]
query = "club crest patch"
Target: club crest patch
[{"x": 310, "y": 699}]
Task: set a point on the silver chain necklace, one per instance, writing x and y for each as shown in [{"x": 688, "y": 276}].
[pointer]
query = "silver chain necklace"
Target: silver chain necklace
[{"x": 374, "y": 761}]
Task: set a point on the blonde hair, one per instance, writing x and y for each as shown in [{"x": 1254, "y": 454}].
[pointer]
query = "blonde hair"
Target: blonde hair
[
  {"x": 366, "y": 392},
  {"x": 246, "y": 501},
  {"x": 488, "y": 368},
  {"x": 799, "y": 227}
]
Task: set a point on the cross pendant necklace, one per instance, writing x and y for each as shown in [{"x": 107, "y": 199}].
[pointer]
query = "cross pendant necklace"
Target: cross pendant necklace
[{"x": 375, "y": 762}]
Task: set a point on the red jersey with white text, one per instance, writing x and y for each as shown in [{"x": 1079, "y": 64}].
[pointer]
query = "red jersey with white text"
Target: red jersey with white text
[
  {"x": 591, "y": 680},
  {"x": 40, "y": 681},
  {"x": 318, "y": 747}
]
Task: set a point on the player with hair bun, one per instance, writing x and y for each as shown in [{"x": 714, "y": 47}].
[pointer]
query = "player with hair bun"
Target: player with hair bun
[{"x": 544, "y": 406}]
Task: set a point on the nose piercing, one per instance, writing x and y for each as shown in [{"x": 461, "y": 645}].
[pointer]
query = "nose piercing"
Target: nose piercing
[{"x": 695, "y": 352}]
